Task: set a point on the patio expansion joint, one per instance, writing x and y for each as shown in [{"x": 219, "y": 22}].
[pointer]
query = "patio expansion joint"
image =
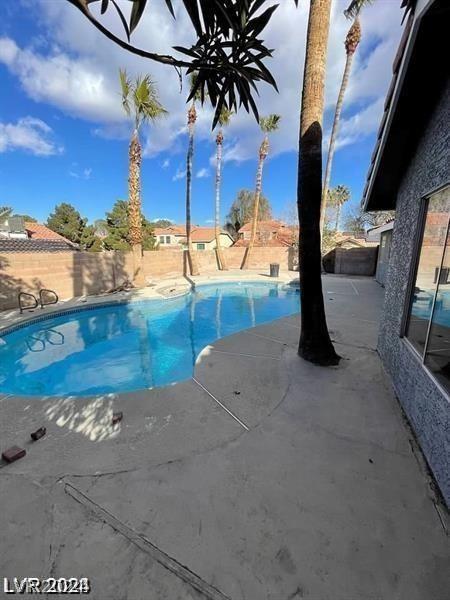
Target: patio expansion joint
[
  {"x": 358, "y": 441},
  {"x": 145, "y": 545},
  {"x": 225, "y": 408},
  {"x": 246, "y": 355},
  {"x": 271, "y": 339}
]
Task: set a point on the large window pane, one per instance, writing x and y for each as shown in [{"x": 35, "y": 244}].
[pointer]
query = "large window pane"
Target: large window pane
[
  {"x": 437, "y": 357},
  {"x": 429, "y": 267}
]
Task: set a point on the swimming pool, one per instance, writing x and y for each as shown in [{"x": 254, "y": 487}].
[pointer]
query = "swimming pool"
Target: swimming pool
[{"x": 135, "y": 345}]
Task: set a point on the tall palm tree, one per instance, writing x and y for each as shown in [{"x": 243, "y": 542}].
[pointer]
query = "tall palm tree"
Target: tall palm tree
[
  {"x": 351, "y": 44},
  {"x": 140, "y": 102},
  {"x": 341, "y": 196},
  {"x": 5, "y": 212},
  {"x": 268, "y": 125},
  {"x": 192, "y": 118},
  {"x": 315, "y": 344},
  {"x": 224, "y": 120}
]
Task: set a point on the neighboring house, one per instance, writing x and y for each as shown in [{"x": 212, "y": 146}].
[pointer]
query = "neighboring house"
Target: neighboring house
[
  {"x": 410, "y": 172},
  {"x": 374, "y": 233},
  {"x": 203, "y": 238},
  {"x": 170, "y": 237},
  {"x": 268, "y": 233},
  {"x": 19, "y": 236}
]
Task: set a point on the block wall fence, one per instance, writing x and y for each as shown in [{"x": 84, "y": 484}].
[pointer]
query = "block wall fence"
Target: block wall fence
[{"x": 73, "y": 274}]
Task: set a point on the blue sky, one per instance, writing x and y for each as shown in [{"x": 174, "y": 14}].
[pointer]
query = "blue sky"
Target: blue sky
[{"x": 63, "y": 136}]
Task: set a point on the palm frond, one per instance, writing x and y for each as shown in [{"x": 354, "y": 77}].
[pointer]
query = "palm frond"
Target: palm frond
[
  {"x": 269, "y": 123},
  {"x": 354, "y": 8},
  {"x": 225, "y": 116},
  {"x": 194, "y": 88},
  {"x": 125, "y": 84},
  {"x": 146, "y": 103}
]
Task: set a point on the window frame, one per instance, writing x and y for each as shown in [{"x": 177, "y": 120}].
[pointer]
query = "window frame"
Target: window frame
[
  {"x": 201, "y": 244},
  {"x": 420, "y": 231},
  {"x": 423, "y": 211}
]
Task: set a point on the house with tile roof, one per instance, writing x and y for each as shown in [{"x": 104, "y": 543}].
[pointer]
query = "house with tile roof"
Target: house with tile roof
[
  {"x": 410, "y": 173},
  {"x": 268, "y": 233},
  {"x": 203, "y": 238},
  {"x": 17, "y": 235}
]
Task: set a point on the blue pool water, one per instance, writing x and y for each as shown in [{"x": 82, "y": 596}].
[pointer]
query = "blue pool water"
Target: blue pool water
[{"x": 134, "y": 346}]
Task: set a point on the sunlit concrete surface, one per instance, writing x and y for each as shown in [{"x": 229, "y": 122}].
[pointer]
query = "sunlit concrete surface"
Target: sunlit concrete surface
[{"x": 262, "y": 477}]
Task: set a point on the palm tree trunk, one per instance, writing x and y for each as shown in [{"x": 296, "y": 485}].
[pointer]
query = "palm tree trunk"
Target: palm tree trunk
[
  {"x": 192, "y": 258},
  {"x": 338, "y": 216},
  {"x": 134, "y": 208},
  {"x": 334, "y": 131},
  {"x": 258, "y": 188},
  {"x": 220, "y": 257},
  {"x": 315, "y": 343}
]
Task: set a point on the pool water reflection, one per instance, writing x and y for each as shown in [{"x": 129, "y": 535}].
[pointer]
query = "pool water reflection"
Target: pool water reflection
[{"x": 137, "y": 345}]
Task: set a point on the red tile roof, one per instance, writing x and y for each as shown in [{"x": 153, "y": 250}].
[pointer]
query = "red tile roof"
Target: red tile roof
[
  {"x": 262, "y": 243},
  {"x": 198, "y": 234},
  {"x": 36, "y": 231},
  {"x": 270, "y": 225},
  {"x": 171, "y": 230},
  {"x": 204, "y": 234}
]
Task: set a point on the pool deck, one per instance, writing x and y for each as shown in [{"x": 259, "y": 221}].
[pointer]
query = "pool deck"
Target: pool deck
[{"x": 261, "y": 478}]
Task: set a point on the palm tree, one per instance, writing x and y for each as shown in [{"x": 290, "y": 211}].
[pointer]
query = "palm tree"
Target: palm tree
[
  {"x": 315, "y": 344},
  {"x": 139, "y": 100},
  {"x": 351, "y": 43},
  {"x": 268, "y": 125},
  {"x": 337, "y": 197},
  {"x": 224, "y": 120},
  {"x": 192, "y": 118},
  {"x": 5, "y": 212}
]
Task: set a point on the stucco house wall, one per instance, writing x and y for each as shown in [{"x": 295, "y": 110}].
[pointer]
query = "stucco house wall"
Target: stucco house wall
[
  {"x": 225, "y": 242},
  {"x": 424, "y": 401}
]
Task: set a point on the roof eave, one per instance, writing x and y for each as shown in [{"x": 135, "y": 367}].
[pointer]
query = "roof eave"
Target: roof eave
[{"x": 370, "y": 202}]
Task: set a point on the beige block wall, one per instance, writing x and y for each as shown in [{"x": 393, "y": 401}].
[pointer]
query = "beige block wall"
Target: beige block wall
[{"x": 83, "y": 273}]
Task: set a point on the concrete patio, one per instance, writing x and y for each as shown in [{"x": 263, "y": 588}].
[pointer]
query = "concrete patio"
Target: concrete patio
[{"x": 261, "y": 478}]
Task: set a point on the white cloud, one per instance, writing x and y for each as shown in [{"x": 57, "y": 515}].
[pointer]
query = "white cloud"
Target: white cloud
[
  {"x": 360, "y": 124},
  {"x": 165, "y": 164},
  {"x": 180, "y": 174},
  {"x": 202, "y": 173},
  {"x": 28, "y": 134},
  {"x": 78, "y": 74},
  {"x": 77, "y": 174}
]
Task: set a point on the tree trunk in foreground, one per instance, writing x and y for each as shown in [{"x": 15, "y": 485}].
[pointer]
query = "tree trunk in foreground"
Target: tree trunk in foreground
[
  {"x": 220, "y": 256},
  {"x": 192, "y": 258},
  {"x": 315, "y": 343},
  {"x": 263, "y": 151},
  {"x": 134, "y": 209},
  {"x": 351, "y": 43}
]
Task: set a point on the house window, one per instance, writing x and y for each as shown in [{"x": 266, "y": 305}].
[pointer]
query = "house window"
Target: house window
[
  {"x": 161, "y": 239},
  {"x": 167, "y": 239},
  {"x": 428, "y": 327},
  {"x": 201, "y": 246}
]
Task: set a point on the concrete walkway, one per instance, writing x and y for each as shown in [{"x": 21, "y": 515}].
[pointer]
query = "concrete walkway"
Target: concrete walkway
[{"x": 263, "y": 477}]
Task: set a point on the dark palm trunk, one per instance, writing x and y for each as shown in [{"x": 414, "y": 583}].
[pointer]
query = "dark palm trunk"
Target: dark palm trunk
[
  {"x": 192, "y": 259},
  {"x": 315, "y": 343}
]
